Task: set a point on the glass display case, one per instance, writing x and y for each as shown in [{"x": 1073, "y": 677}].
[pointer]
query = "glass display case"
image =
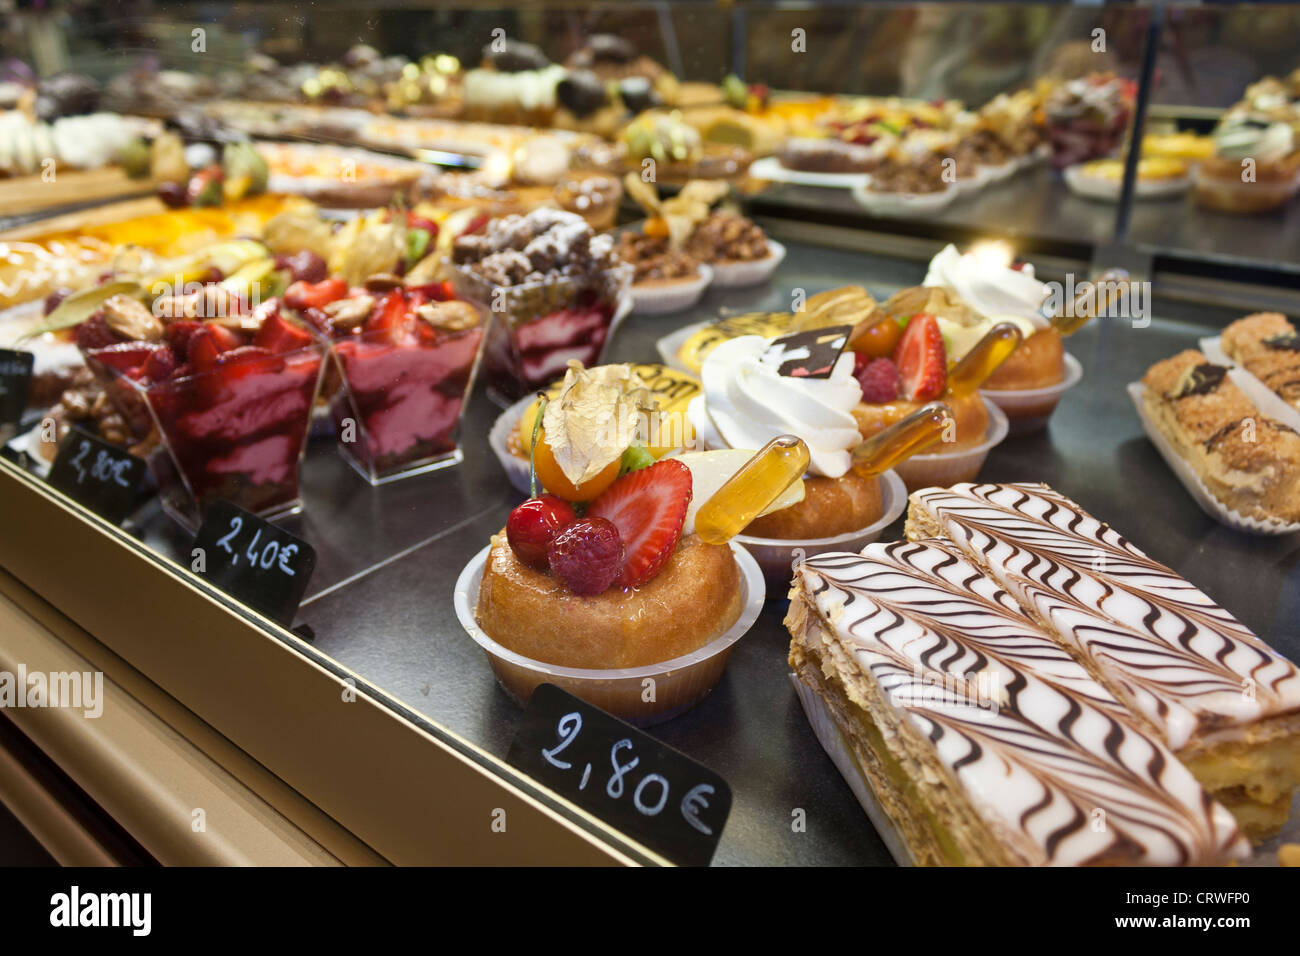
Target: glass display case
[{"x": 327, "y": 269}]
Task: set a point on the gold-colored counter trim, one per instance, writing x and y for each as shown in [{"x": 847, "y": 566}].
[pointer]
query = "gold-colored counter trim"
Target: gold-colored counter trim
[{"x": 412, "y": 791}]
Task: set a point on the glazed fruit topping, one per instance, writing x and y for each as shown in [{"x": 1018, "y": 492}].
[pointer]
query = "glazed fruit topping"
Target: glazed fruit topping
[
  {"x": 648, "y": 507},
  {"x": 921, "y": 359},
  {"x": 533, "y": 525},
  {"x": 315, "y": 295},
  {"x": 279, "y": 335},
  {"x": 587, "y": 555},
  {"x": 880, "y": 381},
  {"x": 876, "y": 339}
]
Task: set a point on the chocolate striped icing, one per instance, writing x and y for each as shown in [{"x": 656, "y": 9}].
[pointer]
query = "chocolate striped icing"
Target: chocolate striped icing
[
  {"x": 1048, "y": 759},
  {"x": 1161, "y": 644}
]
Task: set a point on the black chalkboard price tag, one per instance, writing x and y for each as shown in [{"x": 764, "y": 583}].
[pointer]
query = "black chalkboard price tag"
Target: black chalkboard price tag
[
  {"x": 656, "y": 795},
  {"x": 97, "y": 474},
  {"x": 252, "y": 560},
  {"x": 15, "y": 377}
]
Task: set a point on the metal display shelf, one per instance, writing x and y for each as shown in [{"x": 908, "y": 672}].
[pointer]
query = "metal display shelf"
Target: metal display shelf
[{"x": 380, "y": 608}]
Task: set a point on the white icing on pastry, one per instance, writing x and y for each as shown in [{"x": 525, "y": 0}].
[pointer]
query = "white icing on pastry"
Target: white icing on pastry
[
  {"x": 1169, "y": 651},
  {"x": 1048, "y": 749},
  {"x": 746, "y": 403}
]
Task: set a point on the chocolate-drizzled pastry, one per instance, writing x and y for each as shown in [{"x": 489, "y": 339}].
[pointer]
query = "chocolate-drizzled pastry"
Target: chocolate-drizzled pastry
[
  {"x": 1268, "y": 347},
  {"x": 1247, "y": 460},
  {"x": 1222, "y": 699},
  {"x": 983, "y": 740}
]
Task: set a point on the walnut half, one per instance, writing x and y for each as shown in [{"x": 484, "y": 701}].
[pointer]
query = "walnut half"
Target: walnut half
[
  {"x": 453, "y": 316},
  {"x": 129, "y": 318}
]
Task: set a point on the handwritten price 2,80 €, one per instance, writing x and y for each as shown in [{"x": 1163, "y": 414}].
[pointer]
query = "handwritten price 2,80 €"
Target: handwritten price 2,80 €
[{"x": 651, "y": 792}]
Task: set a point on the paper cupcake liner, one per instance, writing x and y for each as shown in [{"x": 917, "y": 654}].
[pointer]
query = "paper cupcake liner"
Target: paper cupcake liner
[
  {"x": 680, "y": 683},
  {"x": 1108, "y": 190},
  {"x": 516, "y": 468},
  {"x": 831, "y": 738},
  {"x": 770, "y": 168},
  {"x": 1202, "y": 495},
  {"x": 776, "y": 555},
  {"x": 1029, "y": 409},
  {"x": 886, "y": 204},
  {"x": 1263, "y": 397},
  {"x": 735, "y": 275},
  {"x": 1000, "y": 172},
  {"x": 662, "y": 299}
]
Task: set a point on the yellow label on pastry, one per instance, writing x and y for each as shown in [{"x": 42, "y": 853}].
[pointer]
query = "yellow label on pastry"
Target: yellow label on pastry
[{"x": 770, "y": 325}]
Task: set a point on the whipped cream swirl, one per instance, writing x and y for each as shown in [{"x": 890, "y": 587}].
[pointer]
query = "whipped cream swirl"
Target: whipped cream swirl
[
  {"x": 992, "y": 290},
  {"x": 746, "y": 403}
]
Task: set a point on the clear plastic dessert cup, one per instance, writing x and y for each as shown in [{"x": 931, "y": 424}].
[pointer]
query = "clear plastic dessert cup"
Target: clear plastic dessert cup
[
  {"x": 953, "y": 467},
  {"x": 539, "y": 326},
  {"x": 679, "y": 684},
  {"x": 398, "y": 405},
  {"x": 237, "y": 432},
  {"x": 1029, "y": 409},
  {"x": 776, "y": 556}
]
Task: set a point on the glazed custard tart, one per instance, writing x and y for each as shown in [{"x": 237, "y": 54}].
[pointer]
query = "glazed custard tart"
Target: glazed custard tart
[
  {"x": 1224, "y": 701},
  {"x": 983, "y": 740}
]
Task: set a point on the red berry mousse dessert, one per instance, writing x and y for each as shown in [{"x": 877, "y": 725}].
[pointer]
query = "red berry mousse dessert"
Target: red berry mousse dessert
[
  {"x": 229, "y": 392},
  {"x": 554, "y": 287},
  {"x": 604, "y": 569},
  {"x": 406, "y": 358}
]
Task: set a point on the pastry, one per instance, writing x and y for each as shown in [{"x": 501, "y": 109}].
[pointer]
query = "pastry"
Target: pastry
[
  {"x": 654, "y": 263},
  {"x": 662, "y": 396},
  {"x": 1267, "y": 346},
  {"x": 984, "y": 742},
  {"x": 749, "y": 397},
  {"x": 1224, "y": 701},
  {"x": 994, "y": 292},
  {"x": 827, "y": 156},
  {"x": 1248, "y": 461},
  {"x": 1255, "y": 166},
  {"x": 725, "y": 237},
  {"x": 847, "y": 305},
  {"x": 1186, "y": 146},
  {"x": 1087, "y": 117},
  {"x": 515, "y": 84},
  {"x": 229, "y": 387},
  {"x": 901, "y": 367},
  {"x": 405, "y": 357},
  {"x": 630, "y": 582}
]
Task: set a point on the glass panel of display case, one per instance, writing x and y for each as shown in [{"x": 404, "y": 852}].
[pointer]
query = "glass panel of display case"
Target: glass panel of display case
[{"x": 382, "y": 276}]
